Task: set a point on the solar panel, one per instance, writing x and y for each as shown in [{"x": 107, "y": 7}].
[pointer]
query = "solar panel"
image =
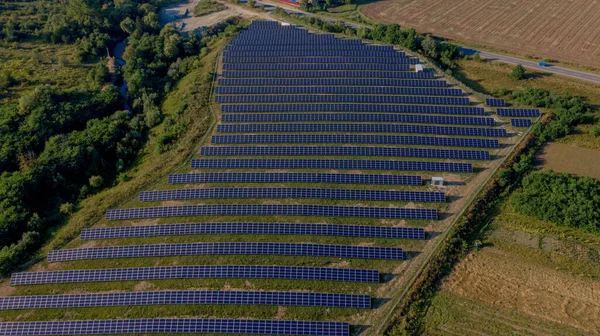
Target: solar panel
[
  {"x": 343, "y": 98},
  {"x": 355, "y": 139},
  {"x": 326, "y": 74},
  {"x": 186, "y": 297},
  {"x": 345, "y": 151},
  {"x": 364, "y": 128},
  {"x": 253, "y": 90},
  {"x": 253, "y": 228},
  {"x": 520, "y": 122},
  {"x": 245, "y": 248},
  {"x": 495, "y": 102},
  {"x": 381, "y": 108},
  {"x": 332, "y": 164},
  {"x": 195, "y": 272},
  {"x": 518, "y": 112},
  {"x": 175, "y": 325},
  {"x": 331, "y": 81},
  {"x": 271, "y": 209},
  {"x": 356, "y": 117},
  {"x": 316, "y": 66},
  {"x": 313, "y": 59},
  {"x": 294, "y": 178},
  {"x": 312, "y": 193}
]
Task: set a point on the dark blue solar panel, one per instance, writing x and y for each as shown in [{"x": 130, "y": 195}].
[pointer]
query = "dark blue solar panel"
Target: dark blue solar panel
[
  {"x": 270, "y": 209},
  {"x": 253, "y": 228},
  {"x": 355, "y": 139},
  {"x": 342, "y": 99},
  {"x": 186, "y": 297},
  {"x": 518, "y": 112},
  {"x": 315, "y": 59},
  {"x": 331, "y": 164},
  {"x": 317, "y": 53},
  {"x": 381, "y": 108},
  {"x": 495, "y": 102},
  {"x": 345, "y": 151},
  {"x": 324, "y": 74},
  {"x": 366, "y": 128},
  {"x": 316, "y": 66},
  {"x": 356, "y": 117},
  {"x": 294, "y": 178},
  {"x": 246, "y": 248},
  {"x": 520, "y": 122},
  {"x": 332, "y": 81},
  {"x": 313, "y": 193},
  {"x": 195, "y": 272},
  {"x": 174, "y": 325},
  {"x": 373, "y": 90}
]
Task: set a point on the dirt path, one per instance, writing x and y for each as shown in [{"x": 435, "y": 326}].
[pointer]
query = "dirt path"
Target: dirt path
[{"x": 565, "y": 158}]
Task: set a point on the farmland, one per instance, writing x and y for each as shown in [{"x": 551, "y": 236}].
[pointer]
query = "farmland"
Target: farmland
[{"x": 555, "y": 29}]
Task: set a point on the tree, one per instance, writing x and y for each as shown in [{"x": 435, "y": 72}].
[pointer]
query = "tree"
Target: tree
[
  {"x": 251, "y": 3},
  {"x": 518, "y": 72},
  {"x": 430, "y": 47},
  {"x": 128, "y": 25},
  {"x": 304, "y": 5}
]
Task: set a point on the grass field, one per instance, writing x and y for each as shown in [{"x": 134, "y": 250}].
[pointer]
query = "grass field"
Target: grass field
[{"x": 552, "y": 29}]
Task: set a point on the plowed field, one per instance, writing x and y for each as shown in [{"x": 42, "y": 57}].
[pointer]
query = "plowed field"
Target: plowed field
[{"x": 566, "y": 30}]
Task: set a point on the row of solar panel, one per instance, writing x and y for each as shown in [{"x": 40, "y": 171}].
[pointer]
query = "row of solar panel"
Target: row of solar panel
[
  {"x": 382, "y": 108},
  {"x": 318, "y": 59},
  {"x": 286, "y": 40},
  {"x": 186, "y": 297},
  {"x": 345, "y": 151},
  {"x": 341, "y": 194},
  {"x": 337, "y": 90},
  {"x": 174, "y": 326},
  {"x": 332, "y": 81},
  {"x": 342, "y": 99},
  {"x": 293, "y": 47},
  {"x": 294, "y": 178},
  {"x": 271, "y": 209},
  {"x": 520, "y": 122},
  {"x": 357, "y": 117},
  {"x": 495, "y": 102},
  {"x": 331, "y": 164},
  {"x": 317, "y": 53},
  {"x": 253, "y": 228},
  {"x": 518, "y": 112},
  {"x": 354, "y": 139},
  {"x": 245, "y": 248},
  {"x": 325, "y": 74},
  {"x": 316, "y": 66},
  {"x": 363, "y": 128}
]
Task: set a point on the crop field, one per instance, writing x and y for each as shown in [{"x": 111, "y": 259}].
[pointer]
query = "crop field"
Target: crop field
[
  {"x": 326, "y": 214},
  {"x": 554, "y": 29}
]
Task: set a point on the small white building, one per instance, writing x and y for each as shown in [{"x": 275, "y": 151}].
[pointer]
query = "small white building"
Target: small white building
[
  {"x": 437, "y": 181},
  {"x": 418, "y": 67}
]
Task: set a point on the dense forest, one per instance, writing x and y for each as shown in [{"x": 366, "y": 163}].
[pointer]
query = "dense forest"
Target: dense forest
[{"x": 58, "y": 145}]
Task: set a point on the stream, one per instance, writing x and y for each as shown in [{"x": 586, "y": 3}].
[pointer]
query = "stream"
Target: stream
[{"x": 118, "y": 55}]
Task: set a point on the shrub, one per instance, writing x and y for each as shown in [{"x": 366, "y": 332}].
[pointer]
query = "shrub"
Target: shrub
[{"x": 518, "y": 72}]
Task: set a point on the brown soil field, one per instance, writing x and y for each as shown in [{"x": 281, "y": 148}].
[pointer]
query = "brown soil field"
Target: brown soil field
[
  {"x": 555, "y": 29},
  {"x": 565, "y": 158},
  {"x": 497, "y": 279}
]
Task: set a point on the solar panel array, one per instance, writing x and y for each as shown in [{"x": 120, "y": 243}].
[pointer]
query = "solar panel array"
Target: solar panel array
[
  {"x": 332, "y": 164},
  {"x": 516, "y": 112},
  {"x": 406, "y": 118},
  {"x": 374, "y": 90},
  {"x": 314, "y": 59},
  {"x": 186, "y": 297},
  {"x": 382, "y": 108},
  {"x": 316, "y": 66},
  {"x": 342, "y": 99},
  {"x": 355, "y": 139},
  {"x": 495, "y": 102},
  {"x": 165, "y": 250},
  {"x": 346, "y": 151},
  {"x": 330, "y": 82},
  {"x": 294, "y": 178},
  {"x": 195, "y": 272},
  {"x": 326, "y": 74},
  {"x": 362, "y": 128},
  {"x": 271, "y": 209},
  {"x": 520, "y": 122},
  {"x": 253, "y": 228},
  {"x": 175, "y": 325}
]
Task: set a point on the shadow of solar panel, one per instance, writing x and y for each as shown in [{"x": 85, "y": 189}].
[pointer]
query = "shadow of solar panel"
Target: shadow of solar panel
[
  {"x": 186, "y": 297},
  {"x": 245, "y": 248},
  {"x": 174, "y": 325},
  {"x": 381, "y": 108},
  {"x": 331, "y": 74},
  {"x": 294, "y": 178},
  {"x": 520, "y": 122},
  {"x": 253, "y": 228},
  {"x": 195, "y": 272},
  {"x": 343, "y": 99},
  {"x": 354, "y": 139},
  {"x": 332, "y": 81},
  {"x": 345, "y": 151},
  {"x": 356, "y": 117},
  {"x": 252, "y": 90},
  {"x": 332, "y": 164},
  {"x": 365, "y": 128},
  {"x": 270, "y": 209},
  {"x": 313, "y": 193},
  {"x": 518, "y": 112}
]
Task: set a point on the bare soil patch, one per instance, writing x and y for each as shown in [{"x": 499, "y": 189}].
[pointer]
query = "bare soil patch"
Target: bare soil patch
[
  {"x": 565, "y": 158},
  {"x": 556, "y": 29}
]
